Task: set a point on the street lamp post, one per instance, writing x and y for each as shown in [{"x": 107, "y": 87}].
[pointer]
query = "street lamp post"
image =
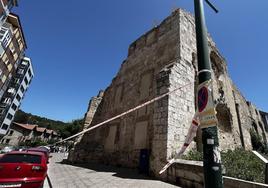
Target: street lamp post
[{"x": 211, "y": 155}]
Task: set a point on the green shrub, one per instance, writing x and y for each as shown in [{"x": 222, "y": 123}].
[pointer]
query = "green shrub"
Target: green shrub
[
  {"x": 238, "y": 164},
  {"x": 36, "y": 143},
  {"x": 243, "y": 165},
  {"x": 193, "y": 155}
]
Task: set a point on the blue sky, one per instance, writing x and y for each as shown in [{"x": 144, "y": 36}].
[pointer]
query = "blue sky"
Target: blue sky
[{"x": 77, "y": 48}]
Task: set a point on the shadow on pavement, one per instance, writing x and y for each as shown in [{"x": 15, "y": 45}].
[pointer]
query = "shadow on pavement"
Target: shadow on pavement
[{"x": 118, "y": 171}]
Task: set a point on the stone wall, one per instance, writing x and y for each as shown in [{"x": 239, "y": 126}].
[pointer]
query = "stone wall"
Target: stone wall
[
  {"x": 264, "y": 116},
  {"x": 92, "y": 107},
  {"x": 138, "y": 80},
  {"x": 162, "y": 60},
  {"x": 189, "y": 174},
  {"x": 224, "y": 91},
  {"x": 181, "y": 105}
]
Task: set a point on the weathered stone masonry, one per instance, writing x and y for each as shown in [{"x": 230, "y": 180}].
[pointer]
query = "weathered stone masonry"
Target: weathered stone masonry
[
  {"x": 160, "y": 61},
  {"x": 92, "y": 107}
]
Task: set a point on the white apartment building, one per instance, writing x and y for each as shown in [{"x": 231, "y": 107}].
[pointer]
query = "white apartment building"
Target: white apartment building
[{"x": 15, "y": 93}]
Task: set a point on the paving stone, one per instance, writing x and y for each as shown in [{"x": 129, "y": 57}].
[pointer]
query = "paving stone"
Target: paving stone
[{"x": 69, "y": 176}]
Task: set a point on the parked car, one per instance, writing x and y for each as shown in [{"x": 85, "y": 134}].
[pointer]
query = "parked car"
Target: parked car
[
  {"x": 7, "y": 149},
  {"x": 42, "y": 150},
  {"x": 45, "y": 147},
  {"x": 22, "y": 148},
  {"x": 23, "y": 169}
]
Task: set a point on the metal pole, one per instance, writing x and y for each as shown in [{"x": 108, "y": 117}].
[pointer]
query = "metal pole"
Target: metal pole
[
  {"x": 266, "y": 173},
  {"x": 212, "y": 162}
]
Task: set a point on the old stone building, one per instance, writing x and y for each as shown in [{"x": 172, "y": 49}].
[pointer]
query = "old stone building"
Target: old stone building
[{"x": 160, "y": 61}]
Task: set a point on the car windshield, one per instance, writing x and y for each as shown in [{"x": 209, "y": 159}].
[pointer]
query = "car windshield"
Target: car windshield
[{"x": 21, "y": 158}]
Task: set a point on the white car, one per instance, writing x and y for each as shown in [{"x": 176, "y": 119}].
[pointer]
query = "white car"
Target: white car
[{"x": 7, "y": 149}]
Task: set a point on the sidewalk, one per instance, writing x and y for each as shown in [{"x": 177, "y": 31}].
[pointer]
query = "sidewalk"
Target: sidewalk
[{"x": 93, "y": 175}]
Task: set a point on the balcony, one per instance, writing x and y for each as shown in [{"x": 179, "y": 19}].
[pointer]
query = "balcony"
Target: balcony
[
  {"x": 15, "y": 84},
  {"x": 11, "y": 92},
  {"x": 5, "y": 36},
  {"x": 5, "y": 102},
  {"x": 20, "y": 72},
  {"x": 2, "y": 111},
  {"x": 24, "y": 65}
]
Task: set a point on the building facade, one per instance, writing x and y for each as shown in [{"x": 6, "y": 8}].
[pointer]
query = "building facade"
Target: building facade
[
  {"x": 17, "y": 88},
  {"x": 16, "y": 70},
  {"x": 27, "y": 133},
  {"x": 12, "y": 50},
  {"x": 160, "y": 61}
]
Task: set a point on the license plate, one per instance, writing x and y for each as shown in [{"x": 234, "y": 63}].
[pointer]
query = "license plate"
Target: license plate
[{"x": 11, "y": 185}]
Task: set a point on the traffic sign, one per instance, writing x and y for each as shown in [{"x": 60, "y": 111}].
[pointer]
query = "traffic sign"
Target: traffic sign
[
  {"x": 207, "y": 113},
  {"x": 202, "y": 98}
]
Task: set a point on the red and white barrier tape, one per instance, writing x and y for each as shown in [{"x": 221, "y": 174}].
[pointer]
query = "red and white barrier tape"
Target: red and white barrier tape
[
  {"x": 124, "y": 113},
  {"x": 189, "y": 138}
]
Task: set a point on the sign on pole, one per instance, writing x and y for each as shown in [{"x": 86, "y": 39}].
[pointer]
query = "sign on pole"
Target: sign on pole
[{"x": 206, "y": 109}]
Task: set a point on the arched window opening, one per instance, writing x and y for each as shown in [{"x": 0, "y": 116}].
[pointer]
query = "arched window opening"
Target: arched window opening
[{"x": 224, "y": 117}]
